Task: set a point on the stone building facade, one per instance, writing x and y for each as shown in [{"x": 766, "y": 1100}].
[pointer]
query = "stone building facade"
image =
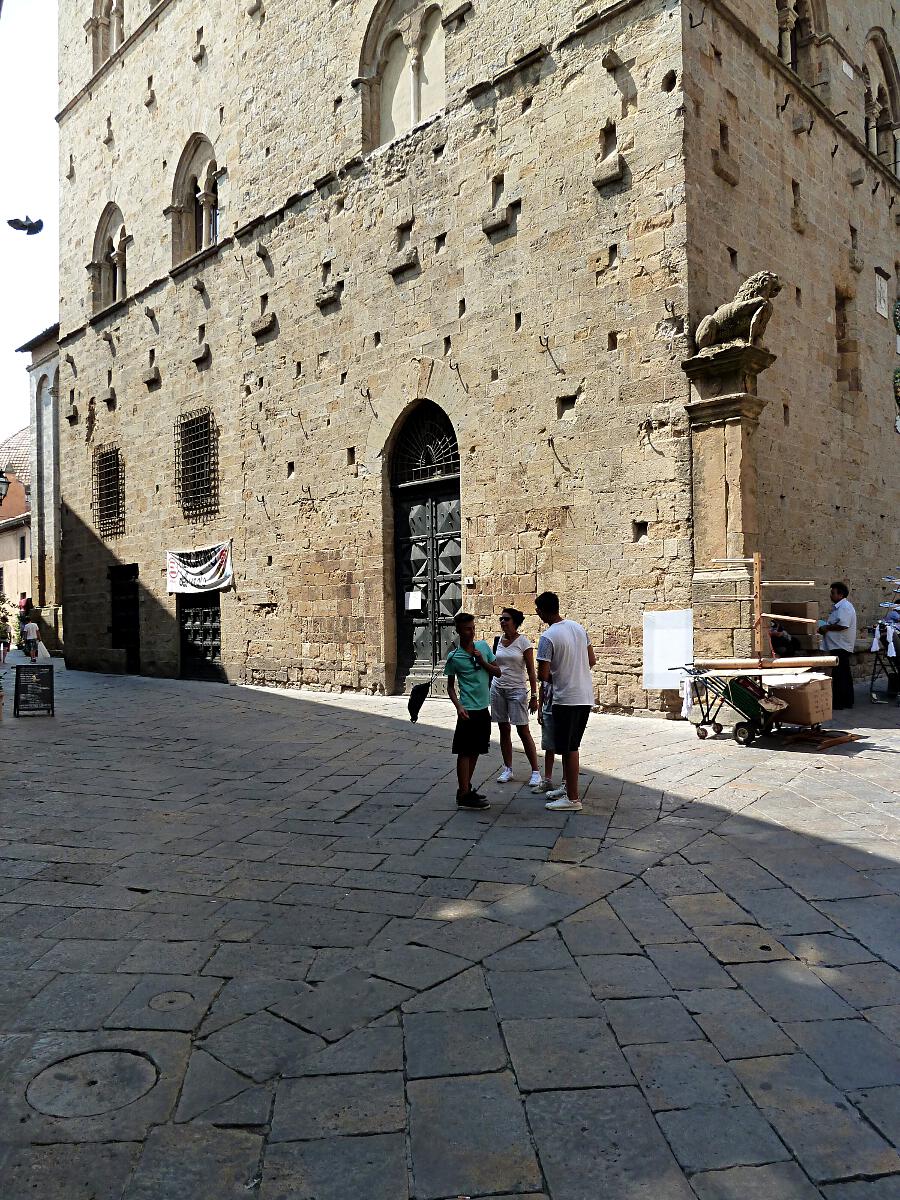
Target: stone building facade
[
  {"x": 45, "y": 585},
  {"x": 396, "y": 297}
]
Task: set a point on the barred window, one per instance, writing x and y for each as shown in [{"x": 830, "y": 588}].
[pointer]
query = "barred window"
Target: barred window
[
  {"x": 197, "y": 463},
  {"x": 109, "y": 491}
]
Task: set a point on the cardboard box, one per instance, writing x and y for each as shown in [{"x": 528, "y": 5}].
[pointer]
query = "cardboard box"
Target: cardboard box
[
  {"x": 805, "y": 634},
  {"x": 807, "y": 705}
]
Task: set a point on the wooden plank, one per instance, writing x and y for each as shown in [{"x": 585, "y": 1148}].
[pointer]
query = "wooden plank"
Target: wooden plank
[
  {"x": 796, "y": 620},
  {"x": 824, "y": 660}
]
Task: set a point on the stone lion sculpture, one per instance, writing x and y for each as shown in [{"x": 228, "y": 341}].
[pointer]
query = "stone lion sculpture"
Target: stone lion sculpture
[{"x": 743, "y": 319}]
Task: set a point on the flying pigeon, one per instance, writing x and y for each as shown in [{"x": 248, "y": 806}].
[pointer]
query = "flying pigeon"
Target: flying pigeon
[{"x": 28, "y": 225}]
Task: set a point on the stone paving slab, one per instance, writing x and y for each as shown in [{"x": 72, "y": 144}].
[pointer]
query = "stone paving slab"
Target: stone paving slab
[
  {"x": 266, "y": 954},
  {"x": 603, "y": 1142}
]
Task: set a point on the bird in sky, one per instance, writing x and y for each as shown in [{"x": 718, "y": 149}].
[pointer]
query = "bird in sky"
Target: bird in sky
[{"x": 28, "y": 225}]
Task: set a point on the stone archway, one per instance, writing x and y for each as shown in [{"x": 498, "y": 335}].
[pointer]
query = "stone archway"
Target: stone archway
[{"x": 424, "y": 475}]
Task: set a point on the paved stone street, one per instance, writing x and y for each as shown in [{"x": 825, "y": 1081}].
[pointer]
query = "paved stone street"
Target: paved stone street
[{"x": 249, "y": 948}]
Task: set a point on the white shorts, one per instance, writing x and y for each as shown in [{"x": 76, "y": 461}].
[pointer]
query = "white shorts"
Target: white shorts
[{"x": 509, "y": 706}]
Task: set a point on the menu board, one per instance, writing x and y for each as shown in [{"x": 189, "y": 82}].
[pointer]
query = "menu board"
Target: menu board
[{"x": 34, "y": 689}]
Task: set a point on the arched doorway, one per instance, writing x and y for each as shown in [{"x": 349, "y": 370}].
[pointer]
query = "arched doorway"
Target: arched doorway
[{"x": 427, "y": 540}]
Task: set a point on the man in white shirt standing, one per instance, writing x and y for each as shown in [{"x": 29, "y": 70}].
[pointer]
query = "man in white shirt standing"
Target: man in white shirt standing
[
  {"x": 839, "y": 638},
  {"x": 565, "y": 652}
]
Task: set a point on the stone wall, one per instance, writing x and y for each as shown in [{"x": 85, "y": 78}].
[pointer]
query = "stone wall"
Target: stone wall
[
  {"x": 553, "y": 343},
  {"x": 783, "y": 197}
]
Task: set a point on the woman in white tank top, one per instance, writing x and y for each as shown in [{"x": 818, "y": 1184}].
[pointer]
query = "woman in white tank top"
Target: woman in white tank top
[{"x": 510, "y": 698}]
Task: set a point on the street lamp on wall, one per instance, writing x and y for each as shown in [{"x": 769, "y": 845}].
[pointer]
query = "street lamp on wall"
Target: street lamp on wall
[{"x": 4, "y": 486}]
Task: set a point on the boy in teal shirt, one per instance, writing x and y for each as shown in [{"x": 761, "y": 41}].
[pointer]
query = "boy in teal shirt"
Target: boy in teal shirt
[{"x": 472, "y": 664}]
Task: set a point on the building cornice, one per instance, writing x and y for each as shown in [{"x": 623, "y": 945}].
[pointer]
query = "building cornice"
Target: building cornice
[{"x": 119, "y": 53}]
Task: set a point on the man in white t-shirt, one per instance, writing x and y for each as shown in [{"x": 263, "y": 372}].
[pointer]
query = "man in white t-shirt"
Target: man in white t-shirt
[
  {"x": 838, "y": 635},
  {"x": 565, "y": 652},
  {"x": 31, "y": 635}
]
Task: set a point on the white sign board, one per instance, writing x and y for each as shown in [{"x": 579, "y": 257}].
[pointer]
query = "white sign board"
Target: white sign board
[
  {"x": 668, "y": 642},
  {"x": 412, "y": 601},
  {"x": 881, "y": 294}
]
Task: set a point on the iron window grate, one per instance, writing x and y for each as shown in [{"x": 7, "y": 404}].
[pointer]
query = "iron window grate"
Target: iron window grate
[
  {"x": 197, "y": 463},
  {"x": 426, "y": 448},
  {"x": 109, "y": 491}
]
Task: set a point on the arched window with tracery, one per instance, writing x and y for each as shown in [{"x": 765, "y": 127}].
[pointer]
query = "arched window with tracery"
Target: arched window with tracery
[
  {"x": 402, "y": 69},
  {"x": 194, "y": 210},
  {"x": 881, "y": 101},
  {"x": 106, "y": 28},
  {"x": 108, "y": 268}
]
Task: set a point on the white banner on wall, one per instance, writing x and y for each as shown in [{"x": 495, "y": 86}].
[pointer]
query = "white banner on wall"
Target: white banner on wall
[{"x": 206, "y": 570}]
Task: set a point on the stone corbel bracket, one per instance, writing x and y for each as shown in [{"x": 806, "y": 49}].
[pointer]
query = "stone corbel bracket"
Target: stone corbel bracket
[
  {"x": 726, "y": 167},
  {"x": 262, "y": 325},
  {"x": 456, "y": 18},
  {"x": 610, "y": 170},
  {"x": 71, "y": 413},
  {"x": 403, "y": 261},
  {"x": 201, "y": 355},
  {"x": 329, "y": 296},
  {"x": 151, "y": 377},
  {"x": 501, "y": 220},
  {"x": 109, "y": 398}
]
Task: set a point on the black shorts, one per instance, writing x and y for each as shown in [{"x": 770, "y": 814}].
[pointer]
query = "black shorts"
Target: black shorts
[
  {"x": 569, "y": 724},
  {"x": 473, "y": 736}
]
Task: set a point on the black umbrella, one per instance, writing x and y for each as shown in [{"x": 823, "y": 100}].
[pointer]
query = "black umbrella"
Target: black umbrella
[{"x": 418, "y": 694}]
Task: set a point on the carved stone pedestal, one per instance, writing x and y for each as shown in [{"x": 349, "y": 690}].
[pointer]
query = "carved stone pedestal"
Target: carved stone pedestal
[{"x": 724, "y": 414}]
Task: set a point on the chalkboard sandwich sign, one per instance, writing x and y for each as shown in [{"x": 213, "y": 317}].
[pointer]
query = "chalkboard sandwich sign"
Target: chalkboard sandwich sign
[{"x": 34, "y": 689}]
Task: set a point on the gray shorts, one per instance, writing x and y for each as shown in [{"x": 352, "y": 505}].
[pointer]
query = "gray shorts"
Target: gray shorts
[
  {"x": 509, "y": 706},
  {"x": 547, "y": 730}
]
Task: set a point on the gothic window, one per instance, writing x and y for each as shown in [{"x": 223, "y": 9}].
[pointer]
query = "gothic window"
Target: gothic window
[
  {"x": 195, "y": 200},
  {"x": 798, "y": 26},
  {"x": 106, "y": 27},
  {"x": 108, "y": 265},
  {"x": 402, "y": 69},
  {"x": 109, "y": 491},
  {"x": 881, "y": 101},
  {"x": 197, "y": 463}
]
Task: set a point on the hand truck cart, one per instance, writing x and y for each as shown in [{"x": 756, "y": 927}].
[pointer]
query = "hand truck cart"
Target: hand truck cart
[{"x": 713, "y": 692}]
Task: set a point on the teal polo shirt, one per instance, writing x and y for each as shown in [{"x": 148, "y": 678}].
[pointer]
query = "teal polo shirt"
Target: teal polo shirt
[{"x": 473, "y": 683}]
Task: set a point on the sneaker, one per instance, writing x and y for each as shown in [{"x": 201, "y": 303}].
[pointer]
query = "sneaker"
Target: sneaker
[
  {"x": 544, "y": 785},
  {"x": 556, "y": 793},
  {"x": 563, "y": 804},
  {"x": 535, "y": 779},
  {"x": 473, "y": 801},
  {"x": 505, "y": 775}
]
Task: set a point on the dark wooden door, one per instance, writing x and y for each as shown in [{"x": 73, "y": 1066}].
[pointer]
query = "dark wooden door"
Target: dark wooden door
[
  {"x": 428, "y": 547},
  {"x": 125, "y": 614},
  {"x": 200, "y": 629}
]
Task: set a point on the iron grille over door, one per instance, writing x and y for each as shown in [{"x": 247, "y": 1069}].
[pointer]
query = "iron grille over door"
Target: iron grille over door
[{"x": 427, "y": 541}]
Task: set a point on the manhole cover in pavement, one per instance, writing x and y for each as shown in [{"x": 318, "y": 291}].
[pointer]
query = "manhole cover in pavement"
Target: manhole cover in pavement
[
  {"x": 87, "y": 1085},
  {"x": 171, "y": 1001}
]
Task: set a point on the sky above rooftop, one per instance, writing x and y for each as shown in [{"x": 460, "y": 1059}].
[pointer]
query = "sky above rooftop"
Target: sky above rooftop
[{"x": 29, "y": 290}]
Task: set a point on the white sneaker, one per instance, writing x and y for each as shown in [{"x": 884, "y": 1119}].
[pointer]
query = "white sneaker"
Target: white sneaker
[
  {"x": 556, "y": 793},
  {"x": 545, "y": 785},
  {"x": 535, "y": 779},
  {"x": 505, "y": 775},
  {"x": 563, "y": 804}
]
